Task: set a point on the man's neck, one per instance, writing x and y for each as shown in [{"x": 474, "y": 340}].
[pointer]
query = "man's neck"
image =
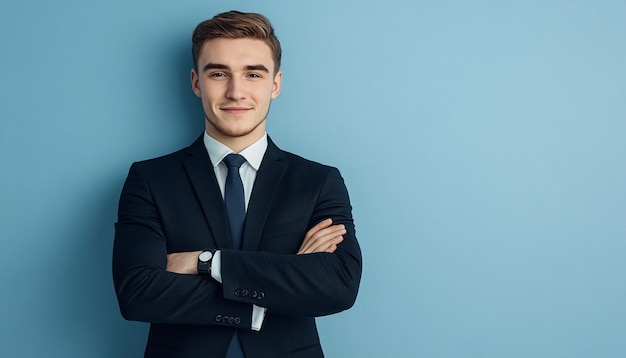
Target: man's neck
[{"x": 237, "y": 144}]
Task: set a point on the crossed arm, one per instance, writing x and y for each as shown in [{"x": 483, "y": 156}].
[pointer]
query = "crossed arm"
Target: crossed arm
[{"x": 323, "y": 237}]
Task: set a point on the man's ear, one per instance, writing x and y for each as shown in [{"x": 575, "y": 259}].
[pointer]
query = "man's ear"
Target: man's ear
[
  {"x": 278, "y": 82},
  {"x": 194, "y": 82}
]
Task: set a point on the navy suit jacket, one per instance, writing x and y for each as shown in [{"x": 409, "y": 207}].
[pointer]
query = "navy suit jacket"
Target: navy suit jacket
[{"x": 173, "y": 204}]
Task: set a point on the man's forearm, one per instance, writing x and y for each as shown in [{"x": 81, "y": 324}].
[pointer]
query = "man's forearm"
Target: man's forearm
[{"x": 308, "y": 285}]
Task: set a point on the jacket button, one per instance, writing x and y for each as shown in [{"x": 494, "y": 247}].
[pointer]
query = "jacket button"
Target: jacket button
[
  {"x": 237, "y": 320},
  {"x": 218, "y": 318},
  {"x": 231, "y": 320},
  {"x": 237, "y": 292},
  {"x": 244, "y": 293},
  {"x": 224, "y": 319},
  {"x": 261, "y": 295},
  {"x": 253, "y": 294}
]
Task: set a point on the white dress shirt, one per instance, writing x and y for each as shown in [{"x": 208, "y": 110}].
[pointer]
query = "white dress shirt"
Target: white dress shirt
[{"x": 253, "y": 155}]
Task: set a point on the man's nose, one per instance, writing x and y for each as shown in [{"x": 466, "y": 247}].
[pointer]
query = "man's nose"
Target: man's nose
[{"x": 236, "y": 89}]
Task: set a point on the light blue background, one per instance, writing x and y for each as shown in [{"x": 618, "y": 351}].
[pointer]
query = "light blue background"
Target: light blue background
[{"x": 483, "y": 144}]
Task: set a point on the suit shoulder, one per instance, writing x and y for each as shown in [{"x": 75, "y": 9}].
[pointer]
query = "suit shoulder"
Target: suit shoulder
[
  {"x": 299, "y": 160},
  {"x": 163, "y": 159},
  {"x": 172, "y": 160},
  {"x": 295, "y": 161}
]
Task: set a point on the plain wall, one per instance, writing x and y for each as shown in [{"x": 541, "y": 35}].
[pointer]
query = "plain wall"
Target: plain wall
[{"x": 482, "y": 142}]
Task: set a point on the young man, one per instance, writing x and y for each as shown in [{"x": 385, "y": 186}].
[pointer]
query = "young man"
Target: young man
[{"x": 231, "y": 247}]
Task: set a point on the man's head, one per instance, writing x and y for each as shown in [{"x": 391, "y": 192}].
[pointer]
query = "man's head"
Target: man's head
[
  {"x": 236, "y": 75},
  {"x": 236, "y": 25}
]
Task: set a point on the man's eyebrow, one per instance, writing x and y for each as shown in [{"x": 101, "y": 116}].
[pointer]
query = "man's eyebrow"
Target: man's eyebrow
[
  {"x": 257, "y": 68},
  {"x": 219, "y": 66},
  {"x": 213, "y": 66}
]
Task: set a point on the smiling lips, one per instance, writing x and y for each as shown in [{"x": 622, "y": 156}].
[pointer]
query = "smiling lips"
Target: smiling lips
[{"x": 235, "y": 110}]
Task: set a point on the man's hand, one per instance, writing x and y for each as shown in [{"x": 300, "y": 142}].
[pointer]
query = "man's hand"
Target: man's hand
[
  {"x": 323, "y": 237},
  {"x": 183, "y": 262}
]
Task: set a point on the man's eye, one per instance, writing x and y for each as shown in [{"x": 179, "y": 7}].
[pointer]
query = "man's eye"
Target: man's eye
[
  {"x": 254, "y": 75},
  {"x": 218, "y": 74}
]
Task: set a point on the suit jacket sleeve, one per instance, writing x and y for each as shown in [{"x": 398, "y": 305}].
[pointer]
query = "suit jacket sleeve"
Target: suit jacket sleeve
[
  {"x": 145, "y": 290},
  {"x": 303, "y": 285}
]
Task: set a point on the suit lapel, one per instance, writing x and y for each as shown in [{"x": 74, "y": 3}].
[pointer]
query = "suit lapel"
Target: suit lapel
[
  {"x": 266, "y": 184},
  {"x": 202, "y": 177}
]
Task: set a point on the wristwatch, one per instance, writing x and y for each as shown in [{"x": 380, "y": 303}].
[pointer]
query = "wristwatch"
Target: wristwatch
[{"x": 204, "y": 263}]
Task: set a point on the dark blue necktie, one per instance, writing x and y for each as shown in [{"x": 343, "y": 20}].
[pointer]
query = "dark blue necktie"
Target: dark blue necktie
[
  {"x": 236, "y": 209},
  {"x": 234, "y": 198}
]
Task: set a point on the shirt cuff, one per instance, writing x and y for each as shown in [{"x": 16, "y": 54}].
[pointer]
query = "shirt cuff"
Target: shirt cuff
[
  {"x": 258, "y": 315},
  {"x": 216, "y": 266}
]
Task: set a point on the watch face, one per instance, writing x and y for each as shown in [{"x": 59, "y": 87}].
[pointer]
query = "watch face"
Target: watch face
[{"x": 205, "y": 256}]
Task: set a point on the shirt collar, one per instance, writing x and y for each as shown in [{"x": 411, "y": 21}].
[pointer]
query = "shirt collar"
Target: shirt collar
[{"x": 253, "y": 153}]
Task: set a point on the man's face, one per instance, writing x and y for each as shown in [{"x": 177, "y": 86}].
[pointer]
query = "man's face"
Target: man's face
[{"x": 236, "y": 82}]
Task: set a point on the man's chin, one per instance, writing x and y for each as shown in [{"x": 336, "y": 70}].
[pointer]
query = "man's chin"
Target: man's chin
[{"x": 234, "y": 132}]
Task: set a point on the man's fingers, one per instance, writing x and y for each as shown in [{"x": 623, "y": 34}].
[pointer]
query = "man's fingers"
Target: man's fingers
[
  {"x": 319, "y": 226},
  {"x": 321, "y": 237},
  {"x": 323, "y": 240},
  {"x": 315, "y": 230},
  {"x": 330, "y": 246}
]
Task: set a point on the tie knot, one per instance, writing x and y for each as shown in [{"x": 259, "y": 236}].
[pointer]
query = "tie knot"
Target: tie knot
[{"x": 234, "y": 160}]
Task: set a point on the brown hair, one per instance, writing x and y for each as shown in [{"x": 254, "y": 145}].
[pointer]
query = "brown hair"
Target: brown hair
[{"x": 236, "y": 25}]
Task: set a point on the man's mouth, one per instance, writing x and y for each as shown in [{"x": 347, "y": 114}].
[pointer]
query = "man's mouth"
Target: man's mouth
[{"x": 235, "y": 110}]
